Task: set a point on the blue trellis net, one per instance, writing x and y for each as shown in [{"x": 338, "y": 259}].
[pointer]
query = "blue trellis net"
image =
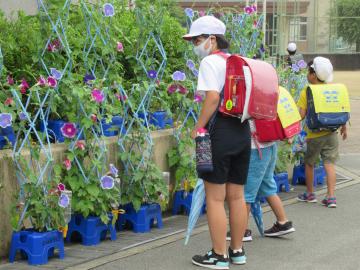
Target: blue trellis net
[
  {"x": 55, "y": 57},
  {"x": 1, "y": 61},
  {"x": 32, "y": 168},
  {"x": 97, "y": 39},
  {"x": 151, "y": 56}
]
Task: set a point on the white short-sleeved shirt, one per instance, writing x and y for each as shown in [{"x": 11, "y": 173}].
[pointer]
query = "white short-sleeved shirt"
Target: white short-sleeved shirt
[
  {"x": 211, "y": 74},
  {"x": 253, "y": 140}
]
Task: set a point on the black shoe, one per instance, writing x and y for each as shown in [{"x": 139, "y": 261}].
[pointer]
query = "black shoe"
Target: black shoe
[
  {"x": 237, "y": 257},
  {"x": 211, "y": 260},
  {"x": 247, "y": 236},
  {"x": 278, "y": 229}
]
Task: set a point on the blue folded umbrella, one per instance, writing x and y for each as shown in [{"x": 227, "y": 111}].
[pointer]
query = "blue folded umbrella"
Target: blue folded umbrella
[
  {"x": 256, "y": 212},
  {"x": 197, "y": 204}
]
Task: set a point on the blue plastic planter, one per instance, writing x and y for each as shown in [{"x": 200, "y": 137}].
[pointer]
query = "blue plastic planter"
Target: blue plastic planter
[
  {"x": 54, "y": 130},
  {"x": 8, "y": 133},
  {"x": 299, "y": 175},
  {"x": 182, "y": 202},
  {"x": 142, "y": 220},
  {"x": 90, "y": 230},
  {"x": 36, "y": 247},
  {"x": 282, "y": 182},
  {"x": 160, "y": 120},
  {"x": 113, "y": 128}
]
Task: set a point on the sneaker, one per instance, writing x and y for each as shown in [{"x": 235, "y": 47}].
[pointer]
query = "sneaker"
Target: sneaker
[
  {"x": 237, "y": 256},
  {"x": 307, "y": 197},
  {"x": 277, "y": 229},
  {"x": 247, "y": 236},
  {"x": 329, "y": 202},
  {"x": 211, "y": 260}
]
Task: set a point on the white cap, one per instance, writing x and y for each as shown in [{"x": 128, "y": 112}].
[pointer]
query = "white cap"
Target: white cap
[
  {"x": 291, "y": 47},
  {"x": 206, "y": 25},
  {"x": 323, "y": 69}
]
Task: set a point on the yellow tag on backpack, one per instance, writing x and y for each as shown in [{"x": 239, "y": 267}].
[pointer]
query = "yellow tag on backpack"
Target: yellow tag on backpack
[
  {"x": 287, "y": 109},
  {"x": 330, "y": 98}
]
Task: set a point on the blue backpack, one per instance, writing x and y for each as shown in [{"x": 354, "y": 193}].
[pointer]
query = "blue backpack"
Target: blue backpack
[{"x": 328, "y": 107}]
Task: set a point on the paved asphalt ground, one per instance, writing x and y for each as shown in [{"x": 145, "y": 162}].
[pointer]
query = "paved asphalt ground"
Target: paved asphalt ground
[{"x": 326, "y": 239}]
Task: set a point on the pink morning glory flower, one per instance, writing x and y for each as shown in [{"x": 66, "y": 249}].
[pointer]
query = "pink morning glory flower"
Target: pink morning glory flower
[
  {"x": 198, "y": 98},
  {"x": 97, "y": 95},
  {"x": 93, "y": 118},
  {"x": 172, "y": 88},
  {"x": 24, "y": 86},
  {"x": 182, "y": 89},
  {"x": 202, "y": 13},
  {"x": 10, "y": 80},
  {"x": 61, "y": 187},
  {"x": 120, "y": 47},
  {"x": 52, "y": 82},
  {"x": 41, "y": 81},
  {"x": 8, "y": 101},
  {"x": 80, "y": 145},
  {"x": 69, "y": 130},
  {"x": 67, "y": 164}
]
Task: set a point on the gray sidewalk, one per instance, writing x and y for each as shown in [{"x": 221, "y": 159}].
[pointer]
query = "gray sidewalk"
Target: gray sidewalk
[{"x": 324, "y": 239}]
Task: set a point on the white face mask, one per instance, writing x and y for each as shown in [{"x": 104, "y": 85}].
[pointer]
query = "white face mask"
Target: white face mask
[{"x": 200, "y": 49}]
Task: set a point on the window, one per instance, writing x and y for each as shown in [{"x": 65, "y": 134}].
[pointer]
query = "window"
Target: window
[{"x": 298, "y": 29}]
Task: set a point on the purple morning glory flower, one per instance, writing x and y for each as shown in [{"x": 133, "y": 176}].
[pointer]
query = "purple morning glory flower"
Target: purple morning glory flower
[
  {"x": 88, "y": 78},
  {"x": 302, "y": 64},
  {"x": 5, "y": 120},
  {"x": 109, "y": 10},
  {"x": 114, "y": 171},
  {"x": 64, "y": 200},
  {"x": 69, "y": 130},
  {"x": 178, "y": 76},
  {"x": 195, "y": 72},
  {"x": 190, "y": 64},
  {"x": 254, "y": 8},
  {"x": 295, "y": 68},
  {"x": 107, "y": 182},
  {"x": 248, "y": 9},
  {"x": 262, "y": 48},
  {"x": 56, "y": 73},
  {"x": 22, "y": 116},
  {"x": 189, "y": 12},
  {"x": 152, "y": 74}
]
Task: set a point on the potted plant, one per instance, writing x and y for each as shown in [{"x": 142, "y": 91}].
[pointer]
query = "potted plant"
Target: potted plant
[
  {"x": 182, "y": 161},
  {"x": 95, "y": 191},
  {"x": 143, "y": 189},
  {"x": 39, "y": 215}
]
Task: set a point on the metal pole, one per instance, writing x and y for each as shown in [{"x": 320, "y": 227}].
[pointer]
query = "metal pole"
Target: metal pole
[{"x": 264, "y": 21}]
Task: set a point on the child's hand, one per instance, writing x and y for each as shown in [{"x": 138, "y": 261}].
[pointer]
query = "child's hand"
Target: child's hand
[{"x": 343, "y": 132}]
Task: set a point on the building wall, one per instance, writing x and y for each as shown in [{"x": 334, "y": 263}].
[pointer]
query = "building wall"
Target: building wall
[{"x": 10, "y": 7}]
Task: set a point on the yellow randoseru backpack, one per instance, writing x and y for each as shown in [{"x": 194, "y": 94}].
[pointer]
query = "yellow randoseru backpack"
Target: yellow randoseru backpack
[{"x": 328, "y": 106}]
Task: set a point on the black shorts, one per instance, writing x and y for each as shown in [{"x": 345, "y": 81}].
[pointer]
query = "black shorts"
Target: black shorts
[{"x": 231, "y": 148}]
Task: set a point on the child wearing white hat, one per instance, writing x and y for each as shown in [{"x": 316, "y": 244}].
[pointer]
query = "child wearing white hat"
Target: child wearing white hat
[
  {"x": 324, "y": 143},
  {"x": 231, "y": 146}
]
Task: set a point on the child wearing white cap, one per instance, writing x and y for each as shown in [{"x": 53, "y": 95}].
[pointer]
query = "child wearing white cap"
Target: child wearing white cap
[
  {"x": 293, "y": 57},
  {"x": 230, "y": 143},
  {"x": 324, "y": 143}
]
